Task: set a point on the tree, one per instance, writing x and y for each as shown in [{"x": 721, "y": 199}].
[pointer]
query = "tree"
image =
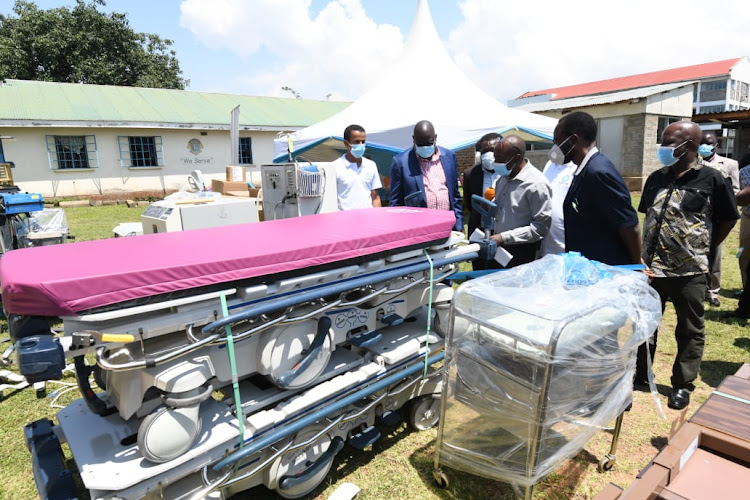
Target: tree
[
  {"x": 84, "y": 45},
  {"x": 289, "y": 89}
]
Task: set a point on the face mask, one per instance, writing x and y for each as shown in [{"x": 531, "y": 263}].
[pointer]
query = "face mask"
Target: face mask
[
  {"x": 357, "y": 150},
  {"x": 666, "y": 155},
  {"x": 556, "y": 154},
  {"x": 425, "y": 151},
  {"x": 477, "y": 157},
  {"x": 705, "y": 150},
  {"x": 501, "y": 169},
  {"x": 488, "y": 160}
]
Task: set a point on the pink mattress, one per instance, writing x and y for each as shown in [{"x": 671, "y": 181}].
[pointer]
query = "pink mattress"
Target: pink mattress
[{"x": 64, "y": 280}]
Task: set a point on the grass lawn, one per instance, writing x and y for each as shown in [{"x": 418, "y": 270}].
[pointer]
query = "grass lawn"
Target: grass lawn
[{"x": 399, "y": 465}]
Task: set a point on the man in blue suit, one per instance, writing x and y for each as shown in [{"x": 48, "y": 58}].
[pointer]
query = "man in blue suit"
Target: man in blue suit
[{"x": 426, "y": 175}]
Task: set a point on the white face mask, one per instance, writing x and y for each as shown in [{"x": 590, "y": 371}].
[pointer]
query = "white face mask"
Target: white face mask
[
  {"x": 556, "y": 154},
  {"x": 488, "y": 160}
]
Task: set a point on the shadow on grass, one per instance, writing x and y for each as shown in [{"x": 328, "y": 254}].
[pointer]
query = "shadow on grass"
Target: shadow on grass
[
  {"x": 742, "y": 343},
  {"x": 713, "y": 372},
  {"x": 659, "y": 442},
  {"x": 461, "y": 485}
]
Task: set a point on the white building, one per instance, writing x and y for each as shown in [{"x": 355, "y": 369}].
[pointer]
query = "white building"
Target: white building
[
  {"x": 75, "y": 140},
  {"x": 717, "y": 87}
]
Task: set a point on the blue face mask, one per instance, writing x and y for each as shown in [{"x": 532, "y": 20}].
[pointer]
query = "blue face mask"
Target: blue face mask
[
  {"x": 425, "y": 151},
  {"x": 357, "y": 150},
  {"x": 666, "y": 155},
  {"x": 705, "y": 150},
  {"x": 502, "y": 169}
]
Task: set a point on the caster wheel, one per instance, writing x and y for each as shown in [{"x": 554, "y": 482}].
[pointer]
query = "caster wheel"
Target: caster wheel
[
  {"x": 423, "y": 413},
  {"x": 441, "y": 480},
  {"x": 606, "y": 464}
]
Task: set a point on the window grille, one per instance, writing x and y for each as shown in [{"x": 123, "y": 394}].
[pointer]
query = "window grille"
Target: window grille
[
  {"x": 66, "y": 152},
  {"x": 140, "y": 151}
]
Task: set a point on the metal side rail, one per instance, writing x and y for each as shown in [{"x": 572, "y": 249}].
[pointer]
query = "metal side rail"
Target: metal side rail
[
  {"x": 226, "y": 479},
  {"x": 215, "y": 330}
]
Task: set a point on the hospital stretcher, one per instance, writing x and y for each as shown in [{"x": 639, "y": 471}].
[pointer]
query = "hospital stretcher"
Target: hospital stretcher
[{"x": 312, "y": 329}]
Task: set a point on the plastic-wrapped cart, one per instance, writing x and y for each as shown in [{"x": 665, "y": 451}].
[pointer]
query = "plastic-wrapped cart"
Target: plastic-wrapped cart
[{"x": 539, "y": 359}]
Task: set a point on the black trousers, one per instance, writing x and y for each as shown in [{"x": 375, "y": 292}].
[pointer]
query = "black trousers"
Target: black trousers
[
  {"x": 686, "y": 294},
  {"x": 744, "y": 304}
]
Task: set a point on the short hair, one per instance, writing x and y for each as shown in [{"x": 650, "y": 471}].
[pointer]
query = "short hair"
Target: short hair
[
  {"x": 352, "y": 128},
  {"x": 490, "y": 137},
  {"x": 478, "y": 145},
  {"x": 579, "y": 123}
]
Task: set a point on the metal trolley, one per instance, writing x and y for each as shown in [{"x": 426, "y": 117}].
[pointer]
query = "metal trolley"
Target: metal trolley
[{"x": 538, "y": 360}]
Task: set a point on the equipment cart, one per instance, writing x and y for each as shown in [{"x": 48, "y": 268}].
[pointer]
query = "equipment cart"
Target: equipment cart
[{"x": 538, "y": 360}]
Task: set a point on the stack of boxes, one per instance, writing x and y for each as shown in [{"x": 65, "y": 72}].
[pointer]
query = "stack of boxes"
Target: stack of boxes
[
  {"x": 706, "y": 458},
  {"x": 236, "y": 184}
]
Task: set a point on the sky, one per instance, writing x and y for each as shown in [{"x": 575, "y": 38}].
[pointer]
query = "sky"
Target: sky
[{"x": 336, "y": 49}]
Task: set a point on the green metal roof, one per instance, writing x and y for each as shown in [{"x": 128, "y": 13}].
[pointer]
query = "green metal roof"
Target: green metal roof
[{"x": 70, "y": 102}]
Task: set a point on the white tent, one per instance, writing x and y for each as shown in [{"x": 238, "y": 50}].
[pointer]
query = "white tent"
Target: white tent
[{"x": 460, "y": 111}]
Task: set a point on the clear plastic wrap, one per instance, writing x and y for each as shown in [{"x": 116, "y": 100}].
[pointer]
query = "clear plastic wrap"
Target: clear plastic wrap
[
  {"x": 539, "y": 359},
  {"x": 45, "y": 227}
]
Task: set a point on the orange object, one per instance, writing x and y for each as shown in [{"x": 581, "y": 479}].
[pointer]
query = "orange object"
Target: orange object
[{"x": 489, "y": 193}]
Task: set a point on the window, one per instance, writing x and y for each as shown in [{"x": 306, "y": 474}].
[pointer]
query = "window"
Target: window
[
  {"x": 711, "y": 109},
  {"x": 715, "y": 85},
  {"x": 137, "y": 151},
  {"x": 664, "y": 122},
  {"x": 246, "y": 150},
  {"x": 66, "y": 152}
]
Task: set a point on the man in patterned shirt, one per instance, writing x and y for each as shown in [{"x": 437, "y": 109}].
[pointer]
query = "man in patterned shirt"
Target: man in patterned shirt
[
  {"x": 685, "y": 205},
  {"x": 426, "y": 175}
]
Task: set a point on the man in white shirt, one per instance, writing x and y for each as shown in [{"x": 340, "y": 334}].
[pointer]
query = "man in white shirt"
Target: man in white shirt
[
  {"x": 559, "y": 177},
  {"x": 357, "y": 178}
]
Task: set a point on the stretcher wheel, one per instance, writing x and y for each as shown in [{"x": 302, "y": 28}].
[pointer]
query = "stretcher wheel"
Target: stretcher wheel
[
  {"x": 167, "y": 433},
  {"x": 424, "y": 412},
  {"x": 441, "y": 480},
  {"x": 607, "y": 463},
  {"x": 299, "y": 472}
]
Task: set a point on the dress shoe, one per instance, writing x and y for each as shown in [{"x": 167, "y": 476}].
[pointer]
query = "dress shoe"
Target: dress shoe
[
  {"x": 714, "y": 301},
  {"x": 679, "y": 399}
]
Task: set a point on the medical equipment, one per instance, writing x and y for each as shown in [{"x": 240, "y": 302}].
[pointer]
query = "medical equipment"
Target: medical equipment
[
  {"x": 196, "y": 181},
  {"x": 295, "y": 189},
  {"x": 325, "y": 318},
  {"x": 197, "y": 213},
  {"x": 539, "y": 359}
]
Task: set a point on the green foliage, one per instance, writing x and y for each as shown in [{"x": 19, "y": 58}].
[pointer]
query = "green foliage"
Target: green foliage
[{"x": 83, "y": 45}]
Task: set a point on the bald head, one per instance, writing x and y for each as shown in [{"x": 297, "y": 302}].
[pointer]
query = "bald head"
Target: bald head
[
  {"x": 709, "y": 138},
  {"x": 683, "y": 130},
  {"x": 424, "y": 135}
]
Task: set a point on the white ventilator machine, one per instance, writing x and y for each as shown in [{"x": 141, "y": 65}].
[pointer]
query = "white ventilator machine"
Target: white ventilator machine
[{"x": 295, "y": 189}]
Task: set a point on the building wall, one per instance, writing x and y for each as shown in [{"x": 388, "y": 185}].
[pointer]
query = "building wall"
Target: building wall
[{"x": 32, "y": 172}]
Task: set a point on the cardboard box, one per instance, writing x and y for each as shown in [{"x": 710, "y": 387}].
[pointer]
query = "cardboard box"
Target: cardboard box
[
  {"x": 610, "y": 492},
  {"x": 236, "y": 173},
  {"x": 654, "y": 481},
  {"x": 224, "y": 187}
]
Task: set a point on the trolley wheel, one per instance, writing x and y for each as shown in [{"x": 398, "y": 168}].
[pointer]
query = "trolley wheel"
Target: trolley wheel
[
  {"x": 607, "y": 463},
  {"x": 441, "y": 480},
  {"x": 423, "y": 412}
]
